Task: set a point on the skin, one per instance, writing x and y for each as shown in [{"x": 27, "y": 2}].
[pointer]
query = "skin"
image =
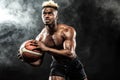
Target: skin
[{"x": 56, "y": 39}]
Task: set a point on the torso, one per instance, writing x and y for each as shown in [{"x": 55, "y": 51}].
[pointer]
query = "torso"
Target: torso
[{"x": 55, "y": 41}]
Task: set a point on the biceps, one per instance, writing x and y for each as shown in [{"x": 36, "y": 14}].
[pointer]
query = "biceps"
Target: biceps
[{"x": 69, "y": 44}]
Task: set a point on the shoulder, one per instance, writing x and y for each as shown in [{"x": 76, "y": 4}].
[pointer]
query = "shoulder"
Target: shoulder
[
  {"x": 43, "y": 30},
  {"x": 40, "y": 35},
  {"x": 68, "y": 31},
  {"x": 66, "y": 27}
]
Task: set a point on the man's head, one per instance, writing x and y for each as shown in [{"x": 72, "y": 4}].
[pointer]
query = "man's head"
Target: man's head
[{"x": 49, "y": 12}]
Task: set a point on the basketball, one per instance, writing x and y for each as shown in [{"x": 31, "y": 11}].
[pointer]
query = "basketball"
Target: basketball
[{"x": 30, "y": 52}]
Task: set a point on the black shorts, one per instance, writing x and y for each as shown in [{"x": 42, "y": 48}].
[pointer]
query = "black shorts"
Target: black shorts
[{"x": 72, "y": 70}]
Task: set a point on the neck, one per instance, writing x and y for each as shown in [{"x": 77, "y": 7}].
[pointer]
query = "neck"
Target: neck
[{"x": 51, "y": 28}]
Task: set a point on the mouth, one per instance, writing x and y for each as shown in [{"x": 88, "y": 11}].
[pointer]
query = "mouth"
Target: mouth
[{"x": 47, "y": 20}]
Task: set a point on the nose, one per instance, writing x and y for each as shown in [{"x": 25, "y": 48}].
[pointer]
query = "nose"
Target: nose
[{"x": 46, "y": 15}]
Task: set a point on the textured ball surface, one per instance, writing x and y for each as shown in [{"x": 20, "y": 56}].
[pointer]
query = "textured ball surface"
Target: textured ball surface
[{"x": 30, "y": 52}]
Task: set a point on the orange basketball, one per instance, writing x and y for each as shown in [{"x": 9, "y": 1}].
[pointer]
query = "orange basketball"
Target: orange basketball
[{"x": 30, "y": 52}]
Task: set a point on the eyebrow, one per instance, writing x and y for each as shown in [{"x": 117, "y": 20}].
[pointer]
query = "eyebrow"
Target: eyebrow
[{"x": 47, "y": 12}]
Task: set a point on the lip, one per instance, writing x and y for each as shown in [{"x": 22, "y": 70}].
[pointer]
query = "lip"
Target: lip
[{"x": 47, "y": 20}]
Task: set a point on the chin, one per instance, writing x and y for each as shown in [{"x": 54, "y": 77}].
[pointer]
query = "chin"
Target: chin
[{"x": 47, "y": 23}]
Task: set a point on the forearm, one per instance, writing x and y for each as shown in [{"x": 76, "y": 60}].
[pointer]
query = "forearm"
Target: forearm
[
  {"x": 36, "y": 63},
  {"x": 63, "y": 52}
]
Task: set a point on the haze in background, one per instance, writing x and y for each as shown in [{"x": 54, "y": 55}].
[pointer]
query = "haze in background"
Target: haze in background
[{"x": 97, "y": 23}]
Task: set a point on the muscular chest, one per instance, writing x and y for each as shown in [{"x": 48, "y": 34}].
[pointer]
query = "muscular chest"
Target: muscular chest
[{"x": 55, "y": 40}]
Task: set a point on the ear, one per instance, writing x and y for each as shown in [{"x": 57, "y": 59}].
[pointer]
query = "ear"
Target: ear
[{"x": 57, "y": 17}]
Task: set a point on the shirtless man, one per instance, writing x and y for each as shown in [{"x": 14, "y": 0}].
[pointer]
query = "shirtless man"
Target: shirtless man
[{"x": 59, "y": 41}]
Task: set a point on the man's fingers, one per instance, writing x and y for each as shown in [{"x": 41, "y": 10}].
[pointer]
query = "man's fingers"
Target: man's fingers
[
  {"x": 37, "y": 47},
  {"x": 34, "y": 41},
  {"x": 34, "y": 44},
  {"x": 20, "y": 57},
  {"x": 18, "y": 54}
]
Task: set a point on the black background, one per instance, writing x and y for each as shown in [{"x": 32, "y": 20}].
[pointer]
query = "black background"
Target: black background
[{"x": 97, "y": 23}]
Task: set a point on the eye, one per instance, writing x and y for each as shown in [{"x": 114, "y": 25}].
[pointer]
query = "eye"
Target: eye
[
  {"x": 44, "y": 13},
  {"x": 49, "y": 12}
]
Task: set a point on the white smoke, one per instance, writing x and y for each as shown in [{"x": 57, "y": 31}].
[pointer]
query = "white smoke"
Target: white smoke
[
  {"x": 64, "y": 3},
  {"x": 16, "y": 12},
  {"x": 113, "y": 5},
  {"x": 17, "y": 20}
]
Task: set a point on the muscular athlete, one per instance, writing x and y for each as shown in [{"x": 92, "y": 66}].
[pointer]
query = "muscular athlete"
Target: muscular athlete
[{"x": 58, "y": 40}]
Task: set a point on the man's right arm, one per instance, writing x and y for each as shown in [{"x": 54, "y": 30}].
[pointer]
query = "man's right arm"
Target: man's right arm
[{"x": 39, "y": 61}]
